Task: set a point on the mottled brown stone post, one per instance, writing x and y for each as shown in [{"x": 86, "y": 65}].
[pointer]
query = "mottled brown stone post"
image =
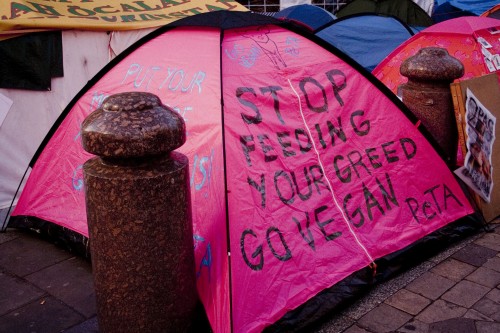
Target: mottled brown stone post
[
  {"x": 139, "y": 216},
  {"x": 427, "y": 94}
]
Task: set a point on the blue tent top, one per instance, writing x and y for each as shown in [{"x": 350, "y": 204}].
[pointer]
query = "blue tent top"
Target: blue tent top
[
  {"x": 366, "y": 38},
  {"x": 447, "y": 11},
  {"x": 310, "y": 16},
  {"x": 477, "y": 7}
]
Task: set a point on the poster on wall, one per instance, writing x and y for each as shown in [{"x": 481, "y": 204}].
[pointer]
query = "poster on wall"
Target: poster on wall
[{"x": 480, "y": 128}]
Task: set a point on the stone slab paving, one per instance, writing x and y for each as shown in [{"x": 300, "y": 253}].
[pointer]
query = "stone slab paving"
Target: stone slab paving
[
  {"x": 430, "y": 285},
  {"x": 465, "y": 293},
  {"x": 45, "y": 289},
  {"x": 453, "y": 269},
  {"x": 459, "y": 291}
]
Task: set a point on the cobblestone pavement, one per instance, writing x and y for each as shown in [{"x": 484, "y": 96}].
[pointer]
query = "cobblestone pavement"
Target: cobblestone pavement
[{"x": 45, "y": 289}]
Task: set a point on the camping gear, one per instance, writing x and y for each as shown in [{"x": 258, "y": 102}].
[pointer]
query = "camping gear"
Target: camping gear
[
  {"x": 471, "y": 39},
  {"x": 304, "y": 169},
  {"x": 367, "y": 38},
  {"x": 406, "y": 10},
  {"x": 310, "y": 16},
  {"x": 138, "y": 209}
]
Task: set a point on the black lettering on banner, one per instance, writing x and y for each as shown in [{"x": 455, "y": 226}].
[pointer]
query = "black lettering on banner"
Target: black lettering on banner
[
  {"x": 429, "y": 209},
  {"x": 257, "y": 119},
  {"x": 273, "y": 90},
  {"x": 320, "y": 136},
  {"x": 425, "y": 207},
  {"x": 323, "y": 224},
  {"x": 309, "y": 238},
  {"x": 319, "y": 179},
  {"x": 355, "y": 213},
  {"x": 356, "y": 160},
  {"x": 448, "y": 194},
  {"x": 331, "y": 75},
  {"x": 257, "y": 253},
  {"x": 345, "y": 175},
  {"x": 372, "y": 158},
  {"x": 266, "y": 148},
  {"x": 260, "y": 188},
  {"x": 332, "y": 130},
  {"x": 302, "y": 85},
  {"x": 284, "y": 175},
  {"x": 288, "y": 254},
  {"x": 409, "y": 154},
  {"x": 371, "y": 202},
  {"x": 387, "y": 152},
  {"x": 299, "y": 132},
  {"x": 431, "y": 191},
  {"x": 285, "y": 144},
  {"x": 413, "y": 206},
  {"x": 244, "y": 140},
  {"x": 385, "y": 194},
  {"x": 357, "y": 217},
  {"x": 364, "y": 127},
  {"x": 306, "y": 196}
]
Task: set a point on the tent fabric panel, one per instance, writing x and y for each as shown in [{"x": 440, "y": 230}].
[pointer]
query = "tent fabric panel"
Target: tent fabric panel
[
  {"x": 446, "y": 11},
  {"x": 462, "y": 46},
  {"x": 463, "y": 25},
  {"x": 279, "y": 116},
  {"x": 311, "y": 16},
  {"x": 475, "y": 6},
  {"x": 407, "y": 11},
  {"x": 185, "y": 74},
  {"x": 261, "y": 218},
  {"x": 364, "y": 38}
]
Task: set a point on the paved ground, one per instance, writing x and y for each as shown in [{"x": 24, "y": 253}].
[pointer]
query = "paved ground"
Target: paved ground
[{"x": 45, "y": 289}]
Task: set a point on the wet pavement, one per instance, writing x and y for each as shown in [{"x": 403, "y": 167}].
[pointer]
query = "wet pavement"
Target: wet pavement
[{"x": 46, "y": 289}]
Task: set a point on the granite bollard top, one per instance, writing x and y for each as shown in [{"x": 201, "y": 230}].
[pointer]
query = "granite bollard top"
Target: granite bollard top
[
  {"x": 432, "y": 64},
  {"x": 428, "y": 96},
  {"x": 132, "y": 124}
]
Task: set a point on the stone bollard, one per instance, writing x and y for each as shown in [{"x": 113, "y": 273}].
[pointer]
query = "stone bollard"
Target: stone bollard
[
  {"x": 427, "y": 94},
  {"x": 139, "y": 216}
]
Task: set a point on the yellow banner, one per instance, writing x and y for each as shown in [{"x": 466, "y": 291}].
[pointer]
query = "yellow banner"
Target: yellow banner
[{"x": 27, "y": 15}]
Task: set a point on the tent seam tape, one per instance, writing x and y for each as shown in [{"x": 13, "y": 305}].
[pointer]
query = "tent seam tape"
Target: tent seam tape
[{"x": 328, "y": 180}]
